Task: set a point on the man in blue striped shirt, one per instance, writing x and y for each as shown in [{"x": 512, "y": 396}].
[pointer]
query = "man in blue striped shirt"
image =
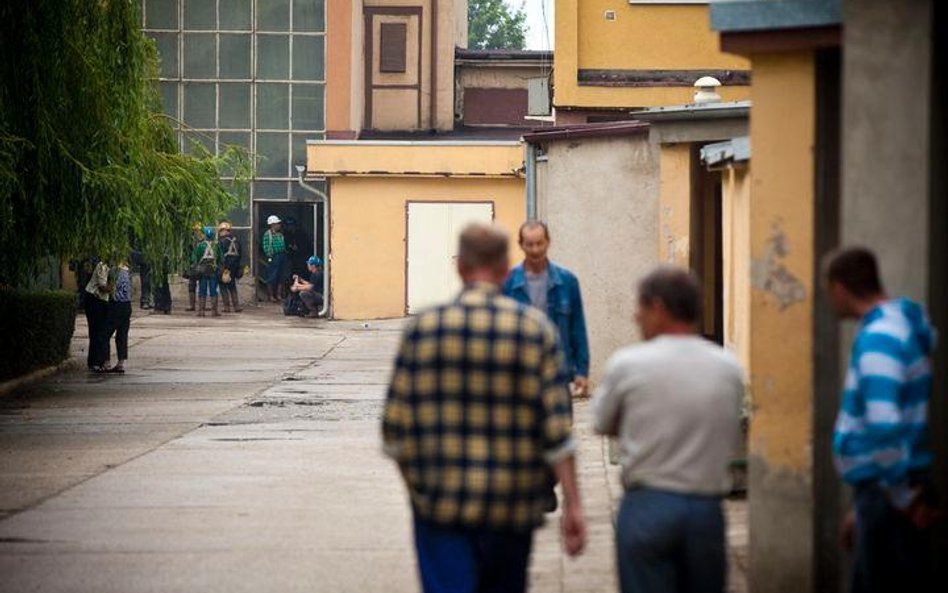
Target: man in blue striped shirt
[{"x": 880, "y": 442}]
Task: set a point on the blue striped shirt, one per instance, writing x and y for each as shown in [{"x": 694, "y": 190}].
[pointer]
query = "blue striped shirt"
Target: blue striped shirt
[{"x": 881, "y": 432}]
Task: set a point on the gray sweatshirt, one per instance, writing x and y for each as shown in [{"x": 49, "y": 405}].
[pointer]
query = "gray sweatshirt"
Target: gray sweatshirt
[{"x": 674, "y": 404}]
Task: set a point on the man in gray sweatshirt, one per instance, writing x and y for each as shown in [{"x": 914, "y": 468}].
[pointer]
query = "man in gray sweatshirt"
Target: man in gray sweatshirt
[{"x": 673, "y": 402}]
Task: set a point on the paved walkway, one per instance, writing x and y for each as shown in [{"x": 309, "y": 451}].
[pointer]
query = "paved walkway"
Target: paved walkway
[{"x": 235, "y": 456}]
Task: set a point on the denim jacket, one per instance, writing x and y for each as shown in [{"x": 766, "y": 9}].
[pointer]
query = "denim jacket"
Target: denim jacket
[{"x": 564, "y": 309}]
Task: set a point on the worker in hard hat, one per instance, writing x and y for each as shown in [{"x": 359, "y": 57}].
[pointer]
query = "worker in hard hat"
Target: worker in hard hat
[
  {"x": 273, "y": 246},
  {"x": 191, "y": 273},
  {"x": 310, "y": 287}
]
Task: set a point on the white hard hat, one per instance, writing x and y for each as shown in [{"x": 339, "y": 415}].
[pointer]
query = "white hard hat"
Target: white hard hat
[{"x": 273, "y": 219}]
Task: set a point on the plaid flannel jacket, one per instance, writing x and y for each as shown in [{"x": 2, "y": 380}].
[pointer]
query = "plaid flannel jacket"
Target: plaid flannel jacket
[{"x": 477, "y": 409}]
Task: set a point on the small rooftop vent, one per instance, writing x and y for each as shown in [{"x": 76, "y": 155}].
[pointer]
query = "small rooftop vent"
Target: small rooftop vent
[{"x": 707, "y": 90}]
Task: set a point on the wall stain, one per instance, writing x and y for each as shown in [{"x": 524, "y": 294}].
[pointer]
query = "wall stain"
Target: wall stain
[
  {"x": 676, "y": 248},
  {"x": 770, "y": 275}
]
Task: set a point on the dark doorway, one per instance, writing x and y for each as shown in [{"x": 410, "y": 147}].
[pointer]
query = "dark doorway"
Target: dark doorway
[
  {"x": 301, "y": 228},
  {"x": 707, "y": 244}
]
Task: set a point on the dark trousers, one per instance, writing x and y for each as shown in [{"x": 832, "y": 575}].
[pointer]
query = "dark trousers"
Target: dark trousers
[
  {"x": 668, "y": 542},
  {"x": 97, "y": 315},
  {"x": 891, "y": 554},
  {"x": 457, "y": 560},
  {"x": 120, "y": 318},
  {"x": 144, "y": 273},
  {"x": 312, "y": 299}
]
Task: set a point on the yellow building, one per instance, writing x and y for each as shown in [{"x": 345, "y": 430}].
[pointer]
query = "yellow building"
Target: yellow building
[
  {"x": 422, "y": 137},
  {"x": 847, "y": 125},
  {"x": 620, "y": 55},
  {"x": 397, "y": 208}
]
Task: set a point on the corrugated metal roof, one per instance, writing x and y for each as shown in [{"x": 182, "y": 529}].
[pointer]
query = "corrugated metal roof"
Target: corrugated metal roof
[
  {"x": 735, "y": 150},
  {"x": 695, "y": 111}
]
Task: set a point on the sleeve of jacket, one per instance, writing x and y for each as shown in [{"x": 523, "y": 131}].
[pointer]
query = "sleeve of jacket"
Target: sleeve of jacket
[
  {"x": 397, "y": 416},
  {"x": 556, "y": 404},
  {"x": 579, "y": 342}
]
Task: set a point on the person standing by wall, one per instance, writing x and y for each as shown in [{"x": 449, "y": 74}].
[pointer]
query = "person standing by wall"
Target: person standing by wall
[
  {"x": 554, "y": 290},
  {"x": 205, "y": 261},
  {"x": 193, "y": 278},
  {"x": 482, "y": 377},
  {"x": 273, "y": 246},
  {"x": 98, "y": 291},
  {"x": 674, "y": 404},
  {"x": 120, "y": 314},
  {"x": 231, "y": 269},
  {"x": 880, "y": 441}
]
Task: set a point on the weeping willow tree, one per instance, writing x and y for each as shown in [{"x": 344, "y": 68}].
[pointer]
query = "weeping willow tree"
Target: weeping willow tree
[{"x": 87, "y": 161}]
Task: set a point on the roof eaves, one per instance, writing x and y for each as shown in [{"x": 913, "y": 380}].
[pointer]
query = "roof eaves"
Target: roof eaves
[
  {"x": 603, "y": 130},
  {"x": 732, "y": 16},
  {"x": 692, "y": 111}
]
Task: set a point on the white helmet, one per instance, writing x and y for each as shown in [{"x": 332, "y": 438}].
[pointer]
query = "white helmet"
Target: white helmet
[{"x": 273, "y": 219}]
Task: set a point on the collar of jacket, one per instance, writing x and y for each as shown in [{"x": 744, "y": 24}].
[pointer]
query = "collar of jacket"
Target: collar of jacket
[
  {"x": 519, "y": 275},
  {"x": 481, "y": 286}
]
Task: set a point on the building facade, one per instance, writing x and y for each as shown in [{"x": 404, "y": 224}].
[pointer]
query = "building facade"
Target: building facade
[
  {"x": 249, "y": 73},
  {"x": 617, "y": 56}
]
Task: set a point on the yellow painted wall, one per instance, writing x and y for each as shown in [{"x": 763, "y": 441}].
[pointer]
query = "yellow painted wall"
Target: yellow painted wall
[
  {"x": 643, "y": 37},
  {"x": 368, "y": 241},
  {"x": 781, "y": 243},
  {"x": 674, "y": 212},
  {"x": 427, "y": 158},
  {"x": 736, "y": 256}
]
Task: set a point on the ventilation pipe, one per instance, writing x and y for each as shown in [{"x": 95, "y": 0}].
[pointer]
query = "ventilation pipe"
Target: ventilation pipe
[{"x": 707, "y": 90}]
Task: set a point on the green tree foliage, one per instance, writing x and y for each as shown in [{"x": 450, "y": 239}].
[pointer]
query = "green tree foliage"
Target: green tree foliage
[
  {"x": 87, "y": 160},
  {"x": 492, "y": 25}
]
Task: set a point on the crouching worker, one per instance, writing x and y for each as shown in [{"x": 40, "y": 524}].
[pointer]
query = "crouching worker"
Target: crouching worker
[{"x": 310, "y": 288}]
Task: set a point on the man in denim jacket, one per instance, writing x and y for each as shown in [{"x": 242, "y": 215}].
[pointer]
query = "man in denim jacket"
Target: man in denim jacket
[{"x": 555, "y": 291}]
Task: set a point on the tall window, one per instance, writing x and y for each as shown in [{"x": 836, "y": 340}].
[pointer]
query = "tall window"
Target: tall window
[{"x": 244, "y": 72}]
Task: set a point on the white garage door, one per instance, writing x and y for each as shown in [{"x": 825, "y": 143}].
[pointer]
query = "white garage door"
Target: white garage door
[{"x": 433, "y": 229}]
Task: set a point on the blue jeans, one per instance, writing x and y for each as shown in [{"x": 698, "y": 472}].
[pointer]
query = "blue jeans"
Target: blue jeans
[
  {"x": 668, "y": 542},
  {"x": 207, "y": 285},
  {"x": 890, "y": 553},
  {"x": 458, "y": 560}
]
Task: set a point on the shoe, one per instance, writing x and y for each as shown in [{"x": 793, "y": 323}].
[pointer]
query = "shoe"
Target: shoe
[
  {"x": 116, "y": 369},
  {"x": 144, "y": 306},
  {"x": 102, "y": 369}
]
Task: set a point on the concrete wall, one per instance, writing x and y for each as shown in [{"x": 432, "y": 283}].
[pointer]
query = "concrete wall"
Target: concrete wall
[
  {"x": 368, "y": 234},
  {"x": 781, "y": 216},
  {"x": 643, "y": 37},
  {"x": 600, "y": 200},
  {"x": 886, "y": 116}
]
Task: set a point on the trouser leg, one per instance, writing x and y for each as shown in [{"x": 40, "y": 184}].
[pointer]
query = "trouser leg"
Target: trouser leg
[
  {"x": 502, "y": 560},
  {"x": 704, "y": 557},
  {"x": 890, "y": 553},
  {"x": 446, "y": 559},
  {"x": 90, "y": 323},
  {"x": 234, "y": 298},
  {"x": 225, "y": 296},
  {"x": 121, "y": 324},
  {"x": 192, "y": 287},
  {"x": 647, "y": 541}
]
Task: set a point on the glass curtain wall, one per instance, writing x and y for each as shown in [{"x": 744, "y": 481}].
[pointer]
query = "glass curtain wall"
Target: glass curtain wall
[{"x": 249, "y": 73}]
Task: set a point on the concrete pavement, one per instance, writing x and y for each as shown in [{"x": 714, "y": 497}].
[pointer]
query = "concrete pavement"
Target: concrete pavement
[{"x": 236, "y": 454}]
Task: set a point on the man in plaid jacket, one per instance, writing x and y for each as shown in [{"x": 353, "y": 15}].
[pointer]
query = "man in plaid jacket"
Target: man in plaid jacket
[{"x": 477, "y": 410}]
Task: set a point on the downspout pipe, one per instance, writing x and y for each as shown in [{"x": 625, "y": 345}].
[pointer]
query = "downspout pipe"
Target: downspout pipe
[
  {"x": 531, "y": 172},
  {"x": 321, "y": 198}
]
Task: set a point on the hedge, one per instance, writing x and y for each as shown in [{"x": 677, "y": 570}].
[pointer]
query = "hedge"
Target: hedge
[{"x": 35, "y": 329}]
